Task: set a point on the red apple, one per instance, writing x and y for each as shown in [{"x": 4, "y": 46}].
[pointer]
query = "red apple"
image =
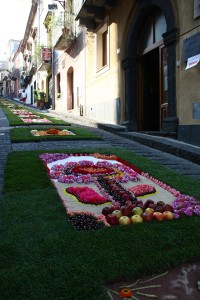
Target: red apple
[
  {"x": 147, "y": 216},
  {"x": 139, "y": 202},
  {"x": 148, "y": 202},
  {"x": 106, "y": 211},
  {"x": 159, "y": 208},
  {"x": 117, "y": 213},
  {"x": 158, "y": 216},
  {"x": 168, "y": 207},
  {"x": 126, "y": 197},
  {"x": 137, "y": 211},
  {"x": 136, "y": 219},
  {"x": 127, "y": 210},
  {"x": 128, "y": 202},
  {"x": 168, "y": 215},
  {"x": 160, "y": 203},
  {"x": 153, "y": 206},
  {"x": 124, "y": 220},
  {"x": 116, "y": 206},
  {"x": 141, "y": 206},
  {"x": 112, "y": 220}
]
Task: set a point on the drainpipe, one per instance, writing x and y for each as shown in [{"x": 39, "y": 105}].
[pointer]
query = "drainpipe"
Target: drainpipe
[{"x": 53, "y": 79}]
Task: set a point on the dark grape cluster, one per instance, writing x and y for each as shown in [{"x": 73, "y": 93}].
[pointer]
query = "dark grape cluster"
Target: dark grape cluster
[
  {"x": 85, "y": 222},
  {"x": 116, "y": 190}
]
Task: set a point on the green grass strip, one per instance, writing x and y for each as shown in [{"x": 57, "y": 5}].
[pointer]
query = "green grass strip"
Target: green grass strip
[
  {"x": 44, "y": 257},
  {"x": 14, "y": 120},
  {"x": 18, "y": 135}
]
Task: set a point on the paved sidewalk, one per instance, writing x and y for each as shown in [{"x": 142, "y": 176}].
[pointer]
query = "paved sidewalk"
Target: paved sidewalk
[{"x": 110, "y": 140}]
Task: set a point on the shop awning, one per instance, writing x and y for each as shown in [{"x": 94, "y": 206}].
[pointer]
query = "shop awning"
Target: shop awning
[{"x": 192, "y": 61}]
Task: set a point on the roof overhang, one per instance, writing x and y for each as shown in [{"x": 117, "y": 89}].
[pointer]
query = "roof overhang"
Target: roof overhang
[{"x": 93, "y": 12}]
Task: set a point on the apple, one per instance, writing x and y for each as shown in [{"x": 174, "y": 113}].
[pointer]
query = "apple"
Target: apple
[
  {"x": 158, "y": 216},
  {"x": 153, "y": 206},
  {"x": 141, "y": 206},
  {"x": 106, "y": 210},
  {"x": 168, "y": 207},
  {"x": 112, "y": 219},
  {"x": 126, "y": 197},
  {"x": 128, "y": 202},
  {"x": 124, "y": 220},
  {"x": 168, "y": 215},
  {"x": 136, "y": 219},
  {"x": 159, "y": 208},
  {"x": 115, "y": 206},
  {"x": 139, "y": 202},
  {"x": 147, "y": 216},
  {"x": 117, "y": 213},
  {"x": 160, "y": 203},
  {"x": 149, "y": 210},
  {"x": 148, "y": 202},
  {"x": 137, "y": 211},
  {"x": 126, "y": 210}
]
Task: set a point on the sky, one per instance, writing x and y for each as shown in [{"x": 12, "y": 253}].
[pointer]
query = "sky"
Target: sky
[{"x": 13, "y": 20}]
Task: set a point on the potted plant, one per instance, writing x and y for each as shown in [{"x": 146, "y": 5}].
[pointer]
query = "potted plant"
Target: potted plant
[
  {"x": 36, "y": 97},
  {"x": 42, "y": 96}
]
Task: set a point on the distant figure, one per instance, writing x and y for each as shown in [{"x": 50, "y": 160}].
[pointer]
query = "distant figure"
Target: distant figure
[{"x": 23, "y": 96}]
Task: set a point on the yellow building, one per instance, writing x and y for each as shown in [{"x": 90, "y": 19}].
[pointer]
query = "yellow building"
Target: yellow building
[{"x": 142, "y": 67}]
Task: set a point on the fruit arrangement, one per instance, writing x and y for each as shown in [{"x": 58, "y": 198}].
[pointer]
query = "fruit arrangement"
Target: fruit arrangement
[
  {"x": 113, "y": 188},
  {"x": 85, "y": 222},
  {"x": 138, "y": 212}
]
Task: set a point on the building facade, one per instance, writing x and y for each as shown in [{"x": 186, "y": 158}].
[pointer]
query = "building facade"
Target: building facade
[
  {"x": 137, "y": 65},
  {"x": 124, "y": 62}
]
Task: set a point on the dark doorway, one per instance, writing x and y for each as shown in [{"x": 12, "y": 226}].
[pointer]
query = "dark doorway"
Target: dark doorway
[
  {"x": 70, "y": 88},
  {"x": 150, "y": 108}
]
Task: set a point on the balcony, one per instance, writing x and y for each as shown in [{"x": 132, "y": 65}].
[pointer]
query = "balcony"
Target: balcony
[
  {"x": 93, "y": 12},
  {"x": 63, "y": 33},
  {"x": 45, "y": 60}
]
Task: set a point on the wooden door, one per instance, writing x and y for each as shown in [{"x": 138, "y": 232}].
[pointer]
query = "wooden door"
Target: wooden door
[{"x": 163, "y": 84}]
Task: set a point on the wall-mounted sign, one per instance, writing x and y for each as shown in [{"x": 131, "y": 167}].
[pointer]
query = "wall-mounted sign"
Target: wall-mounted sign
[
  {"x": 192, "y": 61},
  {"x": 46, "y": 54},
  {"x": 196, "y": 8},
  {"x": 52, "y": 6},
  {"x": 191, "y": 46}
]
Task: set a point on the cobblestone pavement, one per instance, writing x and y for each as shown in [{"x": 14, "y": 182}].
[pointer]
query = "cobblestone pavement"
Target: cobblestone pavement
[{"x": 110, "y": 140}]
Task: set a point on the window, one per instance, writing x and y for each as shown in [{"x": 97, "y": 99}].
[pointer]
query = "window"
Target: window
[
  {"x": 152, "y": 30},
  {"x": 102, "y": 48},
  {"x": 58, "y": 83}
]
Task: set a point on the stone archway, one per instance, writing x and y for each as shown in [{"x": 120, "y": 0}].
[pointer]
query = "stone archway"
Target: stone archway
[{"x": 130, "y": 62}]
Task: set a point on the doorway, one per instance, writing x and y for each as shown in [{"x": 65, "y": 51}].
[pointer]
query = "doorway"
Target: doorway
[
  {"x": 149, "y": 102},
  {"x": 70, "y": 88}
]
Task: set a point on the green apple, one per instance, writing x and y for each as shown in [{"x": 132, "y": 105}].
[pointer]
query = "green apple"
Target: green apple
[
  {"x": 137, "y": 211},
  {"x": 117, "y": 213},
  {"x": 124, "y": 220},
  {"x": 136, "y": 219},
  {"x": 149, "y": 209}
]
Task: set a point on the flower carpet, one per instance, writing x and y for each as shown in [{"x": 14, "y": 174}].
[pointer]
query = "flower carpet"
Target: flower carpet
[
  {"x": 182, "y": 282},
  {"x": 103, "y": 190},
  {"x": 51, "y": 131},
  {"x": 25, "y": 115}
]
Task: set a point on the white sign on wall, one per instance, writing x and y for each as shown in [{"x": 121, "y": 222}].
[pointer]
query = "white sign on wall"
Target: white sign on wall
[{"x": 192, "y": 61}]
